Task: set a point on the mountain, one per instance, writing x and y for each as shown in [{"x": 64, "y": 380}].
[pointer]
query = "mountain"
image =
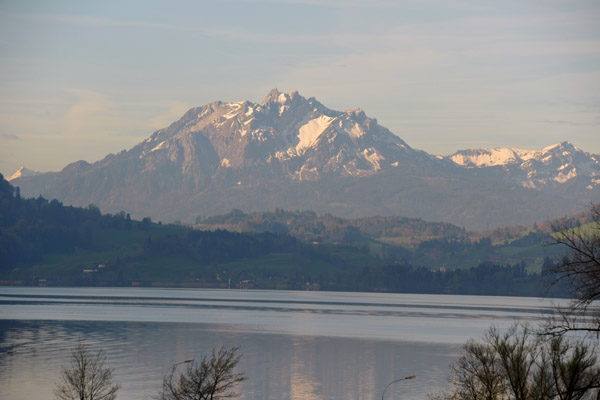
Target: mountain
[
  {"x": 22, "y": 172},
  {"x": 294, "y": 153},
  {"x": 552, "y": 166},
  {"x": 286, "y": 136}
]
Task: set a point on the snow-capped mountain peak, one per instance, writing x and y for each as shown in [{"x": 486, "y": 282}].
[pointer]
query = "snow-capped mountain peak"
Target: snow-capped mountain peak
[
  {"x": 22, "y": 172},
  {"x": 303, "y": 137},
  {"x": 275, "y": 96}
]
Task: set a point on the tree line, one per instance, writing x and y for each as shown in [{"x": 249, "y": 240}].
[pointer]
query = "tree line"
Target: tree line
[{"x": 484, "y": 279}]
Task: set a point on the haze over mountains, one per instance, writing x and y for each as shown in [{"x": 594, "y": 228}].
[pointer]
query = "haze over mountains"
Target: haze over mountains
[{"x": 294, "y": 153}]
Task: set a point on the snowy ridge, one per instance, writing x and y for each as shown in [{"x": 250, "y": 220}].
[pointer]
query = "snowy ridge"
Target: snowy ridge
[
  {"x": 491, "y": 157},
  {"x": 506, "y": 155},
  {"x": 301, "y": 136},
  {"x": 558, "y": 163}
]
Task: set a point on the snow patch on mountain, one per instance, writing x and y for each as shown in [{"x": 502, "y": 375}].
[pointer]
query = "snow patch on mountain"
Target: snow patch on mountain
[
  {"x": 356, "y": 131},
  {"x": 234, "y": 109},
  {"x": 161, "y": 145},
  {"x": 562, "y": 177},
  {"x": 310, "y": 132},
  {"x": 373, "y": 157}
]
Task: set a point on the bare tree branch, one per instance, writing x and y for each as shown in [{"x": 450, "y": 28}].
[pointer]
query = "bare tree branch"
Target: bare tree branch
[
  {"x": 580, "y": 266},
  {"x": 206, "y": 379},
  {"x": 87, "y": 378},
  {"x": 522, "y": 365}
]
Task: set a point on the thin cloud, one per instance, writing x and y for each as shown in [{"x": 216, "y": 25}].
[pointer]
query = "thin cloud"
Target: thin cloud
[
  {"x": 350, "y": 38},
  {"x": 469, "y": 33},
  {"x": 94, "y": 116},
  {"x": 226, "y": 34},
  {"x": 342, "y": 4},
  {"x": 173, "y": 110},
  {"x": 85, "y": 20},
  {"x": 571, "y": 123},
  {"x": 88, "y": 113},
  {"x": 8, "y": 136}
]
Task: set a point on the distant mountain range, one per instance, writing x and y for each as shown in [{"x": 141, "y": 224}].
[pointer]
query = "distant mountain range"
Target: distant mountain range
[
  {"x": 294, "y": 153},
  {"x": 551, "y": 166}
]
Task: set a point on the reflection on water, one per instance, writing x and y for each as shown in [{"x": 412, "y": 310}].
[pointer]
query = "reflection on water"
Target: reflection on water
[
  {"x": 277, "y": 365},
  {"x": 295, "y": 345}
]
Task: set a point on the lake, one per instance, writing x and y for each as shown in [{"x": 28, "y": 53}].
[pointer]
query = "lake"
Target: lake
[{"x": 295, "y": 345}]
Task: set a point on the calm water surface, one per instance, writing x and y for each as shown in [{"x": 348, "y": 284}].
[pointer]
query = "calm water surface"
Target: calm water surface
[{"x": 295, "y": 345}]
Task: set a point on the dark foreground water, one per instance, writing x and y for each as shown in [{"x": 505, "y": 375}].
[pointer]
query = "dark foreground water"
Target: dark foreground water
[{"x": 295, "y": 345}]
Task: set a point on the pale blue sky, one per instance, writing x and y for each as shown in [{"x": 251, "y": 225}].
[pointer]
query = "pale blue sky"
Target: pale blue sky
[{"x": 81, "y": 79}]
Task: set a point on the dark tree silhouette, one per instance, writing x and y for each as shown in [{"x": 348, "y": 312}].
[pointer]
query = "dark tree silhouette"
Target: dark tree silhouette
[
  {"x": 209, "y": 378},
  {"x": 522, "y": 365},
  {"x": 87, "y": 378}
]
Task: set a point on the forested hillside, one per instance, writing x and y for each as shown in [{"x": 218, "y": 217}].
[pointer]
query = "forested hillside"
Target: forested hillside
[
  {"x": 308, "y": 225},
  {"x": 46, "y": 243},
  {"x": 408, "y": 240}
]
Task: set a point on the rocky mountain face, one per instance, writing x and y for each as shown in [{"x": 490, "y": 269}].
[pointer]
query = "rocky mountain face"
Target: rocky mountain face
[
  {"x": 286, "y": 136},
  {"x": 294, "y": 153}
]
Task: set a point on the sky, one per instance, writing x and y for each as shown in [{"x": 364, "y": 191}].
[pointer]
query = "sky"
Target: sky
[{"x": 82, "y": 79}]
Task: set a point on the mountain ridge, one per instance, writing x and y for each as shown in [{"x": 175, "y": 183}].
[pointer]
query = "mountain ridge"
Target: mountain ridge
[
  {"x": 559, "y": 162},
  {"x": 292, "y": 152}
]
